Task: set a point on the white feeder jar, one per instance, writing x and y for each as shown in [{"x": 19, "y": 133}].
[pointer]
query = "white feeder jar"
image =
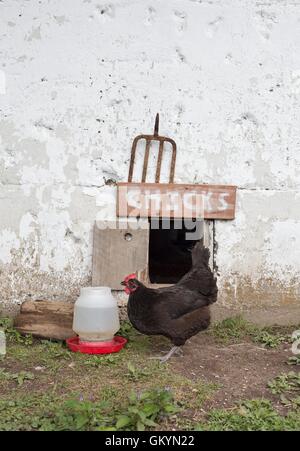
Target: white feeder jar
[{"x": 96, "y": 315}]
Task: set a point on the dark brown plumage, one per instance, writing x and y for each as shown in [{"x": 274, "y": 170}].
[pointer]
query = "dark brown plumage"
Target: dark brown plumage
[{"x": 177, "y": 312}]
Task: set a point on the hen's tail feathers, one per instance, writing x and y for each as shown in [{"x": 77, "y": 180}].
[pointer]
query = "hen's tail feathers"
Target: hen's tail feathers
[{"x": 200, "y": 254}]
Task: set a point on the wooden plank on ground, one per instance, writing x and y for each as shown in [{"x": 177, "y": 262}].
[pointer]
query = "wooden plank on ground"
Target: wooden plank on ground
[{"x": 46, "y": 319}]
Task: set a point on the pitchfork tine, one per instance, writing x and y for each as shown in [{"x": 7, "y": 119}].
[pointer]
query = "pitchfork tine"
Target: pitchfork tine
[{"x": 156, "y": 126}]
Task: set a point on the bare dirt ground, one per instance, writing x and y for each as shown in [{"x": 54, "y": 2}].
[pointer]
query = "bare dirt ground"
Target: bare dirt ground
[{"x": 243, "y": 370}]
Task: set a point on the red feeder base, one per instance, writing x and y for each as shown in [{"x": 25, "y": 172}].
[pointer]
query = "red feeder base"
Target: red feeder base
[{"x": 100, "y": 347}]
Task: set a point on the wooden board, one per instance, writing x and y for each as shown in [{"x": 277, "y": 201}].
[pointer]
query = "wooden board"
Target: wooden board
[
  {"x": 118, "y": 251},
  {"x": 176, "y": 200},
  {"x": 46, "y": 319}
]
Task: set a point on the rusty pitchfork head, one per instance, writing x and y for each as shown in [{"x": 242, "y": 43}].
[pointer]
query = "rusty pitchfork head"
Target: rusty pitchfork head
[{"x": 149, "y": 139}]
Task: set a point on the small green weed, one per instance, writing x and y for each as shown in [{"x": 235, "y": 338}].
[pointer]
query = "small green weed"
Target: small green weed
[
  {"x": 55, "y": 350},
  {"x": 267, "y": 339},
  {"x": 146, "y": 409},
  {"x": 76, "y": 415},
  {"x": 20, "y": 377},
  {"x": 289, "y": 382},
  {"x": 127, "y": 330},
  {"x": 233, "y": 330},
  {"x": 12, "y": 334},
  {"x": 135, "y": 374},
  {"x": 105, "y": 360},
  {"x": 294, "y": 360}
]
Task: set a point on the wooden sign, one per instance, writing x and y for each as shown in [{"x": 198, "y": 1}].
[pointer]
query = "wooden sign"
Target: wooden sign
[{"x": 176, "y": 200}]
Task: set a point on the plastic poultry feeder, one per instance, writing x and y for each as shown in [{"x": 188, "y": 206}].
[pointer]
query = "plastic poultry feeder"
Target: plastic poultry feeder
[{"x": 96, "y": 320}]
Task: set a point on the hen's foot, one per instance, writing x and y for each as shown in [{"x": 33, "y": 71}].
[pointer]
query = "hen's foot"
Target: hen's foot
[{"x": 175, "y": 349}]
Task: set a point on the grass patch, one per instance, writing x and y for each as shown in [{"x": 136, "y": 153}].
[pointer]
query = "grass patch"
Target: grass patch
[
  {"x": 126, "y": 390},
  {"x": 253, "y": 415},
  {"x": 232, "y": 330},
  {"x": 49, "y": 413},
  {"x": 237, "y": 329},
  {"x": 24, "y": 412}
]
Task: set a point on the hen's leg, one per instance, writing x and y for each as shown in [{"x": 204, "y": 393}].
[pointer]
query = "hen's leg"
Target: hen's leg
[{"x": 170, "y": 353}]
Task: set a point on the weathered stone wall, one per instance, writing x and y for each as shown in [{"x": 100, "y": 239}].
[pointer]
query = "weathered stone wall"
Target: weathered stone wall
[{"x": 80, "y": 78}]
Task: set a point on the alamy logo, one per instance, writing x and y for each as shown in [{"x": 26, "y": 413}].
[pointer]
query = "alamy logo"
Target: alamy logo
[
  {"x": 2, "y": 343},
  {"x": 296, "y": 342}
]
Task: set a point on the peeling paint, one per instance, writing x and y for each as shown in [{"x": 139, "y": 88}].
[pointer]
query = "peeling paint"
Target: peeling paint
[
  {"x": 282, "y": 249},
  {"x": 9, "y": 243},
  {"x": 76, "y": 86}
]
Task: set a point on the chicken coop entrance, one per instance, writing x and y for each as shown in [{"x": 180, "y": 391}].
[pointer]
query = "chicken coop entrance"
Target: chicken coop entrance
[
  {"x": 170, "y": 245},
  {"x": 159, "y": 250},
  {"x": 156, "y": 249}
]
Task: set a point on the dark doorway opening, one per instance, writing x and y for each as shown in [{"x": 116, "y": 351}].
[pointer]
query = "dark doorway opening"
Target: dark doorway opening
[{"x": 170, "y": 245}]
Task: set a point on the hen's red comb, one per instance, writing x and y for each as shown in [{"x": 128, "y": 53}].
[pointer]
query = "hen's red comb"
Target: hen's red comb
[{"x": 131, "y": 276}]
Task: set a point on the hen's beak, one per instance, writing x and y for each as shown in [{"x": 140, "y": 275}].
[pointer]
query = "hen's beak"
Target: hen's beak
[{"x": 123, "y": 283}]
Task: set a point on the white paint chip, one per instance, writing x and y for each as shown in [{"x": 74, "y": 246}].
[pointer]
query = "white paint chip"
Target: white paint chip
[
  {"x": 2, "y": 83},
  {"x": 9, "y": 242}
]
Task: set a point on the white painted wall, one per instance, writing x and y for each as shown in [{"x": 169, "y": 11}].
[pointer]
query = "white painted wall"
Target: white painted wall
[{"x": 80, "y": 78}]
